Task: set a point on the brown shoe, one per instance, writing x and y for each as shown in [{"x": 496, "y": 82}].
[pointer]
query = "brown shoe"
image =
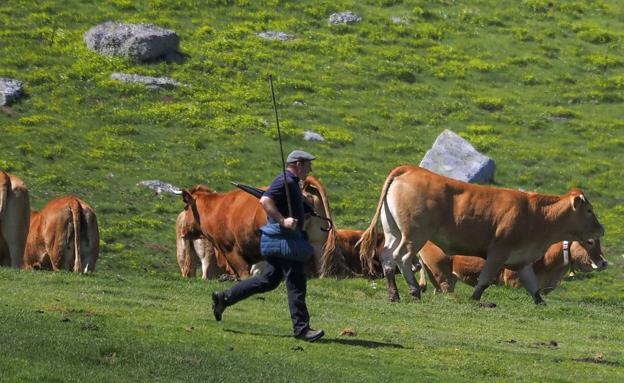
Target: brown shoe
[
  {"x": 218, "y": 305},
  {"x": 310, "y": 335}
]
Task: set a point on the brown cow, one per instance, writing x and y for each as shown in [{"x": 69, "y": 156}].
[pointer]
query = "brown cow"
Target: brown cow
[
  {"x": 194, "y": 247},
  {"x": 231, "y": 221},
  {"x": 347, "y": 243},
  {"x": 444, "y": 270},
  {"x": 507, "y": 227},
  {"x": 585, "y": 256},
  {"x": 63, "y": 235},
  {"x": 349, "y": 248},
  {"x": 14, "y": 219}
]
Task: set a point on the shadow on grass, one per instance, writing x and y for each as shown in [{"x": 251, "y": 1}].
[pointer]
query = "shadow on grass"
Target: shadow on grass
[
  {"x": 346, "y": 342},
  {"x": 360, "y": 343}
]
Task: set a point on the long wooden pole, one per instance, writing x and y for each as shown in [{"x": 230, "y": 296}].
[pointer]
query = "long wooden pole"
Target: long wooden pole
[{"x": 279, "y": 137}]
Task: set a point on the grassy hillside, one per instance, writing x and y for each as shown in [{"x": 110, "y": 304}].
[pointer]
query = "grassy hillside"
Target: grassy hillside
[{"x": 537, "y": 85}]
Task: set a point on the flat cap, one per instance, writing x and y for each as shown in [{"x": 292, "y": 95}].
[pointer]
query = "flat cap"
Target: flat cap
[{"x": 299, "y": 155}]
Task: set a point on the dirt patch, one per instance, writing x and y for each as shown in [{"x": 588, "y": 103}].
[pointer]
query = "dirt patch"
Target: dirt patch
[
  {"x": 599, "y": 358},
  {"x": 348, "y": 332}
]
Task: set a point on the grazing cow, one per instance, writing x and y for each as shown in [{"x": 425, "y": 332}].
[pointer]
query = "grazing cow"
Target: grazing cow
[
  {"x": 349, "y": 248},
  {"x": 585, "y": 256},
  {"x": 63, "y": 235},
  {"x": 230, "y": 221},
  {"x": 347, "y": 244},
  {"x": 193, "y": 247},
  {"x": 507, "y": 227},
  {"x": 14, "y": 219},
  {"x": 444, "y": 270}
]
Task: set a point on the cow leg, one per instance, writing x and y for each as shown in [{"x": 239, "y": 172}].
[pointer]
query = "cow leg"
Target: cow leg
[
  {"x": 67, "y": 257},
  {"x": 199, "y": 249},
  {"x": 388, "y": 265},
  {"x": 208, "y": 263},
  {"x": 529, "y": 281},
  {"x": 493, "y": 264},
  {"x": 92, "y": 240},
  {"x": 393, "y": 291},
  {"x": 238, "y": 263},
  {"x": 15, "y": 235},
  {"x": 5, "y": 257},
  {"x": 391, "y": 244},
  {"x": 404, "y": 263},
  {"x": 54, "y": 253},
  {"x": 257, "y": 268},
  {"x": 422, "y": 280}
]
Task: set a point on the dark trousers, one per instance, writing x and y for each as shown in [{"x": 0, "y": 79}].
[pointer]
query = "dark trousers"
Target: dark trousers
[{"x": 274, "y": 271}]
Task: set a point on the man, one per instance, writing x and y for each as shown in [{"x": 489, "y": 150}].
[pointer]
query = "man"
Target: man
[{"x": 275, "y": 203}]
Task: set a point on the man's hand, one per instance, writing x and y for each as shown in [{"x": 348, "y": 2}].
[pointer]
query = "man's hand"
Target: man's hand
[
  {"x": 269, "y": 206},
  {"x": 289, "y": 223}
]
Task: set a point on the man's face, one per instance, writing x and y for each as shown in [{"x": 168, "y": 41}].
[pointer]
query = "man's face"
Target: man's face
[{"x": 305, "y": 167}]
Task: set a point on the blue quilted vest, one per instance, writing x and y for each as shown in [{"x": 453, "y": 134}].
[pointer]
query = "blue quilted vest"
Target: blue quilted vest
[{"x": 278, "y": 242}]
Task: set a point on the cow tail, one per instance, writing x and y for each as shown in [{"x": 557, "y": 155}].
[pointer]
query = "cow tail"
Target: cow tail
[
  {"x": 187, "y": 264},
  {"x": 5, "y": 185},
  {"x": 76, "y": 210},
  {"x": 368, "y": 241}
]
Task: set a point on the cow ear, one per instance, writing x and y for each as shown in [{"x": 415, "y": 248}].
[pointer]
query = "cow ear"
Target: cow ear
[{"x": 577, "y": 201}]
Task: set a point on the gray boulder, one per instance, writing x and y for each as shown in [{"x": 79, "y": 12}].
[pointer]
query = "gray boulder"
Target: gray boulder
[
  {"x": 10, "y": 90},
  {"x": 137, "y": 41},
  {"x": 347, "y": 17},
  {"x": 279, "y": 36},
  {"x": 148, "y": 81},
  {"x": 160, "y": 187},
  {"x": 454, "y": 157},
  {"x": 309, "y": 135}
]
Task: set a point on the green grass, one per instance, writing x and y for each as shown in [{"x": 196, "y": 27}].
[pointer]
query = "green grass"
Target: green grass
[
  {"x": 107, "y": 327},
  {"x": 536, "y": 85}
]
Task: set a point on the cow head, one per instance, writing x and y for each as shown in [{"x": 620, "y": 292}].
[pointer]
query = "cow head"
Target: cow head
[
  {"x": 190, "y": 201},
  {"x": 328, "y": 258},
  {"x": 585, "y": 224},
  {"x": 587, "y": 256},
  {"x": 188, "y": 195}
]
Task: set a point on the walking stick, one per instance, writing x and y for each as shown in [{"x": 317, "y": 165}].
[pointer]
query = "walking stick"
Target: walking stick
[{"x": 279, "y": 137}]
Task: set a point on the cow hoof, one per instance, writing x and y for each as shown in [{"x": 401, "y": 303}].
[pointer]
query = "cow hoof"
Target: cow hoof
[
  {"x": 415, "y": 293},
  {"x": 394, "y": 298},
  {"x": 487, "y": 305},
  {"x": 537, "y": 299}
]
